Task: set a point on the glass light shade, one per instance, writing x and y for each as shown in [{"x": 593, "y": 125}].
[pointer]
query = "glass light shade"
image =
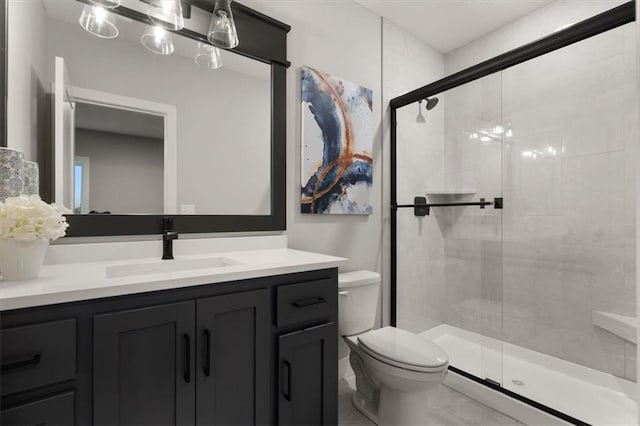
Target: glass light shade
[
  {"x": 222, "y": 31},
  {"x": 98, "y": 22},
  {"x": 107, "y": 3},
  {"x": 158, "y": 40},
  {"x": 208, "y": 56},
  {"x": 167, "y": 13}
]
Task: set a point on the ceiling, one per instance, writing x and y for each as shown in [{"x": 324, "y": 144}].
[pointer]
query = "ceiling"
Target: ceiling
[
  {"x": 120, "y": 121},
  {"x": 449, "y": 24}
]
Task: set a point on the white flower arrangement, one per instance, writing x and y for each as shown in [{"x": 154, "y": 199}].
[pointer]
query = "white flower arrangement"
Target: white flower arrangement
[{"x": 28, "y": 218}]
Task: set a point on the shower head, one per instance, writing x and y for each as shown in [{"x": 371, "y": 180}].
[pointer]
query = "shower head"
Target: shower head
[{"x": 431, "y": 103}]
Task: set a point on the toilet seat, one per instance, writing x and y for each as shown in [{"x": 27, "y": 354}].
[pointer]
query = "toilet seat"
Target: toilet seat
[{"x": 403, "y": 349}]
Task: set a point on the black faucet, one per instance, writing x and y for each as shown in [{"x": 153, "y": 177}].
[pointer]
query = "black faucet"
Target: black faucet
[{"x": 168, "y": 235}]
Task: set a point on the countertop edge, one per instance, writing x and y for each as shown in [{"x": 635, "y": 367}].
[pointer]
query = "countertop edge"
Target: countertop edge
[{"x": 91, "y": 293}]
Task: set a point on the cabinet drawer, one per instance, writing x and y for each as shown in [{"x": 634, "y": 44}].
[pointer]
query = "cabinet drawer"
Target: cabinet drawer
[
  {"x": 53, "y": 411},
  {"x": 306, "y": 301},
  {"x": 37, "y": 355}
]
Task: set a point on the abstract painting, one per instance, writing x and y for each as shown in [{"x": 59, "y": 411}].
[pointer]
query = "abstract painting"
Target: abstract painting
[{"x": 337, "y": 141}]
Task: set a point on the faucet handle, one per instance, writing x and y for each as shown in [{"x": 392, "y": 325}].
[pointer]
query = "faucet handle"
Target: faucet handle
[{"x": 170, "y": 235}]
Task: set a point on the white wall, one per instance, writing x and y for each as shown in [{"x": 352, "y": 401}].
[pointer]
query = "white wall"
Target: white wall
[
  {"x": 408, "y": 63},
  {"x": 28, "y": 75},
  {"x": 126, "y": 172},
  {"x": 223, "y": 115},
  {"x": 341, "y": 38}
]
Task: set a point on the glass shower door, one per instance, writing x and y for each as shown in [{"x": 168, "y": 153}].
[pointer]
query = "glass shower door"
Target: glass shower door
[
  {"x": 449, "y": 263},
  {"x": 473, "y": 147},
  {"x": 569, "y": 234},
  {"x": 449, "y": 276}
]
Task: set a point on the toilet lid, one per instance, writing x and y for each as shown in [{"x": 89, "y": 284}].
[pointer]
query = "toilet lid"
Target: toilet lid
[{"x": 403, "y": 348}]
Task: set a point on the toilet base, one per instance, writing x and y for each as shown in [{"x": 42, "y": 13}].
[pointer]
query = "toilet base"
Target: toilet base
[
  {"x": 364, "y": 407},
  {"x": 398, "y": 409},
  {"x": 403, "y": 408}
]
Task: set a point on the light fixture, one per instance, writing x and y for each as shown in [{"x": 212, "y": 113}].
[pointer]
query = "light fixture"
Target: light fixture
[
  {"x": 98, "y": 21},
  {"x": 208, "y": 56},
  {"x": 167, "y": 13},
  {"x": 222, "y": 31},
  {"x": 158, "y": 40},
  {"x": 110, "y": 4}
]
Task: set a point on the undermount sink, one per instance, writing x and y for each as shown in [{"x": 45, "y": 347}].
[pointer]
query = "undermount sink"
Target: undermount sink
[{"x": 176, "y": 265}]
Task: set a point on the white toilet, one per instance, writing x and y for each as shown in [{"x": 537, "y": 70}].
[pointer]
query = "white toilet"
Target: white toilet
[{"x": 394, "y": 368}]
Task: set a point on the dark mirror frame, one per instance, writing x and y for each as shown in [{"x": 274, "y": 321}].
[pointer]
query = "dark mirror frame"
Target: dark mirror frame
[{"x": 262, "y": 38}]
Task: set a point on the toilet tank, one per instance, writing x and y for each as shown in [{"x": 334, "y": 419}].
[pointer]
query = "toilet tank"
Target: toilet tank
[{"x": 358, "y": 295}]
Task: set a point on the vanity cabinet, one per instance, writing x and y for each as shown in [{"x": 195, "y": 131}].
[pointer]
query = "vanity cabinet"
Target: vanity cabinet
[
  {"x": 201, "y": 355},
  {"x": 233, "y": 370},
  {"x": 37, "y": 355},
  {"x": 307, "y": 350},
  {"x": 55, "y": 410},
  {"x": 153, "y": 365},
  {"x": 307, "y": 367},
  {"x": 142, "y": 366}
]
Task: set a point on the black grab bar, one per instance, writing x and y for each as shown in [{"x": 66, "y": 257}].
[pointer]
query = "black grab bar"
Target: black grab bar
[{"x": 422, "y": 208}]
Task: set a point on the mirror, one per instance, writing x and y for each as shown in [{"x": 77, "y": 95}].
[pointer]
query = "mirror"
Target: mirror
[{"x": 136, "y": 132}]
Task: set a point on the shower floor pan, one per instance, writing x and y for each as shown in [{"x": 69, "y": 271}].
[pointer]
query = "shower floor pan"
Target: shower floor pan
[{"x": 583, "y": 393}]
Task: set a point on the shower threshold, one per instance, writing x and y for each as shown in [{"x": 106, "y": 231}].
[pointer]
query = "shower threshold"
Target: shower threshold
[{"x": 592, "y": 396}]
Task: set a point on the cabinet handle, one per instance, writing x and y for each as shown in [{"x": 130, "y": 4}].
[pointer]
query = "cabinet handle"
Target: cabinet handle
[
  {"x": 303, "y": 303},
  {"x": 286, "y": 382},
  {"x": 206, "y": 365},
  {"x": 186, "y": 362},
  {"x": 34, "y": 360}
]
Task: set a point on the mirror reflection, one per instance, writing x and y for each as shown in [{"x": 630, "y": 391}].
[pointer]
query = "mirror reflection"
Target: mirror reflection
[
  {"x": 117, "y": 148},
  {"x": 142, "y": 120}
]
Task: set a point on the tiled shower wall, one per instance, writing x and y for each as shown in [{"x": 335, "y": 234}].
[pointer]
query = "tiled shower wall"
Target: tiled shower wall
[{"x": 567, "y": 124}]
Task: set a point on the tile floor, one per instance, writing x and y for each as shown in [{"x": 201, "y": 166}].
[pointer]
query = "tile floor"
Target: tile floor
[{"x": 450, "y": 408}]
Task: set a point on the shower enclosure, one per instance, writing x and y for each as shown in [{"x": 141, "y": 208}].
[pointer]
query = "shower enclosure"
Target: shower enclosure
[{"x": 513, "y": 195}]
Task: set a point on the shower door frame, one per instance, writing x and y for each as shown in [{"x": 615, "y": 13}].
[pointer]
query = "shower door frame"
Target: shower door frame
[{"x": 582, "y": 30}]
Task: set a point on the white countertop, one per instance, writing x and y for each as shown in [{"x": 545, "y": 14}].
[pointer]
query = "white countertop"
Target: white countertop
[{"x": 70, "y": 282}]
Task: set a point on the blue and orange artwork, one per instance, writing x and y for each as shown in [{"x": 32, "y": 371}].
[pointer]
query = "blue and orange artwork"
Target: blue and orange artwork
[{"x": 337, "y": 165}]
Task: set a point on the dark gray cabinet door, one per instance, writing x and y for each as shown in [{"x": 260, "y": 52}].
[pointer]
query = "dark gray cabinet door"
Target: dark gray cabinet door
[
  {"x": 143, "y": 366},
  {"x": 308, "y": 377},
  {"x": 233, "y": 359},
  {"x": 52, "y": 411}
]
